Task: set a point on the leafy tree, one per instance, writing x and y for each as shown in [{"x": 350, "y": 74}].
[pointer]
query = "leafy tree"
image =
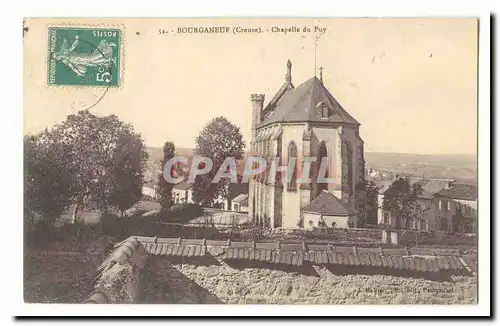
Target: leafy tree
[
  {"x": 127, "y": 171},
  {"x": 204, "y": 191},
  {"x": 370, "y": 208},
  {"x": 165, "y": 188},
  {"x": 401, "y": 200},
  {"x": 47, "y": 181},
  {"x": 461, "y": 222},
  {"x": 95, "y": 149},
  {"x": 218, "y": 140}
]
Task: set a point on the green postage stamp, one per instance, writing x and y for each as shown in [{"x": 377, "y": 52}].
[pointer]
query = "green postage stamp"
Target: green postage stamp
[{"x": 84, "y": 56}]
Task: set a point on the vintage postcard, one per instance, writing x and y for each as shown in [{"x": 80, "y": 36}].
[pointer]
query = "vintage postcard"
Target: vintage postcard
[{"x": 251, "y": 161}]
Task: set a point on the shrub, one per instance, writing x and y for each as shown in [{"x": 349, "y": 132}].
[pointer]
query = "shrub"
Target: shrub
[
  {"x": 111, "y": 224},
  {"x": 40, "y": 233},
  {"x": 184, "y": 212}
]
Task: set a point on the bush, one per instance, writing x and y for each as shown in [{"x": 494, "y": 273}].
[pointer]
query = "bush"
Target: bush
[
  {"x": 111, "y": 224},
  {"x": 184, "y": 212},
  {"x": 40, "y": 233}
]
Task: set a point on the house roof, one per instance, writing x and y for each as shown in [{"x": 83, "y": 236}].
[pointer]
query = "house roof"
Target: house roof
[
  {"x": 459, "y": 191},
  {"x": 240, "y": 198},
  {"x": 150, "y": 184},
  {"x": 327, "y": 204},
  {"x": 183, "y": 185},
  {"x": 302, "y": 104},
  {"x": 429, "y": 186},
  {"x": 382, "y": 185}
]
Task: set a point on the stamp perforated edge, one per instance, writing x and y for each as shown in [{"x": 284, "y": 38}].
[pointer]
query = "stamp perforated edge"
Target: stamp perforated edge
[{"x": 123, "y": 43}]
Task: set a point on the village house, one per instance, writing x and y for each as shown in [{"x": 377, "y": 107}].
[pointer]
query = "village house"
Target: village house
[
  {"x": 149, "y": 191},
  {"x": 240, "y": 203},
  {"x": 302, "y": 122},
  {"x": 448, "y": 201},
  {"x": 438, "y": 203},
  {"x": 182, "y": 193}
]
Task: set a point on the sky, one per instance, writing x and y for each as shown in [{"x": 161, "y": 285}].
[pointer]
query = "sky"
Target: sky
[{"x": 410, "y": 82}]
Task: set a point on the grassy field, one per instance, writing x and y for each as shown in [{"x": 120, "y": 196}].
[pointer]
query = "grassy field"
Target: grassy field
[
  {"x": 58, "y": 278},
  {"x": 62, "y": 272}
]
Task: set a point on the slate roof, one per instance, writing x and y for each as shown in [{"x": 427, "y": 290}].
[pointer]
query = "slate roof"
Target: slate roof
[
  {"x": 274, "y": 101},
  {"x": 459, "y": 191},
  {"x": 430, "y": 186},
  {"x": 326, "y": 204},
  {"x": 382, "y": 185},
  {"x": 300, "y": 104}
]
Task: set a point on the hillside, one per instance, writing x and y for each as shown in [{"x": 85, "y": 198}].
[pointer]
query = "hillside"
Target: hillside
[{"x": 462, "y": 167}]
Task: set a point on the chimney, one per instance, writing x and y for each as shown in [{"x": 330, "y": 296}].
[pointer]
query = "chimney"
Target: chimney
[
  {"x": 289, "y": 72},
  {"x": 257, "y": 107},
  {"x": 449, "y": 184}
]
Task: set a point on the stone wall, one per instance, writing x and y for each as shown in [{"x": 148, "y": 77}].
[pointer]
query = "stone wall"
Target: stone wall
[
  {"x": 207, "y": 280},
  {"x": 120, "y": 277}
]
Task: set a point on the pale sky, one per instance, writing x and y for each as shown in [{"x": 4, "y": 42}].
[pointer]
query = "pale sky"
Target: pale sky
[{"x": 411, "y": 83}]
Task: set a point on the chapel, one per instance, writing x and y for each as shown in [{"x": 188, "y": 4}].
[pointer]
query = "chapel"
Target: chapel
[{"x": 306, "y": 122}]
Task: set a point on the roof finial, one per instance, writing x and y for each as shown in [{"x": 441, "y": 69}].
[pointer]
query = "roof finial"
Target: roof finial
[
  {"x": 289, "y": 72},
  {"x": 321, "y": 74}
]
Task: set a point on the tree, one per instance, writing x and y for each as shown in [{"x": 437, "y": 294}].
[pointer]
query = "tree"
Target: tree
[
  {"x": 165, "y": 188},
  {"x": 401, "y": 200},
  {"x": 370, "y": 207},
  {"x": 97, "y": 150},
  {"x": 127, "y": 171},
  {"x": 218, "y": 140},
  {"x": 47, "y": 180},
  {"x": 461, "y": 222}
]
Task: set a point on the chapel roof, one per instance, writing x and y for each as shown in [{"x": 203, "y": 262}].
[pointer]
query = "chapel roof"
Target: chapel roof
[
  {"x": 304, "y": 103},
  {"x": 326, "y": 204}
]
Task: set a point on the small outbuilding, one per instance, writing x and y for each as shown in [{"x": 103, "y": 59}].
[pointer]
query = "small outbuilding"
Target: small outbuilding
[
  {"x": 240, "y": 203},
  {"x": 327, "y": 211}
]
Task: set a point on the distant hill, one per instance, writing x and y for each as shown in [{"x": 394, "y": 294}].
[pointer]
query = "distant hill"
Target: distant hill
[
  {"x": 462, "y": 167},
  {"x": 153, "y": 165},
  {"x": 156, "y": 153}
]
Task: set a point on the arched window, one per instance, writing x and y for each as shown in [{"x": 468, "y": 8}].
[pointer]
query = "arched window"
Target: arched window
[
  {"x": 278, "y": 147},
  {"x": 347, "y": 167},
  {"x": 292, "y": 156},
  {"x": 324, "y": 111},
  {"x": 322, "y": 152},
  {"x": 278, "y": 180}
]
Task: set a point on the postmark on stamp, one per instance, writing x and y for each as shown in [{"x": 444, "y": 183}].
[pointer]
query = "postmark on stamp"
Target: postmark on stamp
[{"x": 84, "y": 56}]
